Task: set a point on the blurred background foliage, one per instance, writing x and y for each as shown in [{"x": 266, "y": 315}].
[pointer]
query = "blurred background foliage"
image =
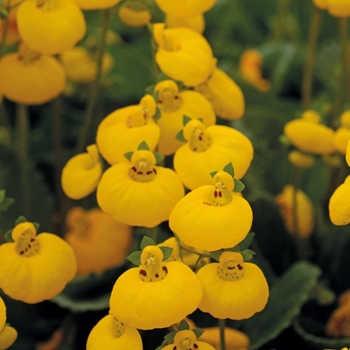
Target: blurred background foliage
[{"x": 296, "y": 314}]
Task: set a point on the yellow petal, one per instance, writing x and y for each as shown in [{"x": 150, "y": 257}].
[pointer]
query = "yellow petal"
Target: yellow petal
[
  {"x": 321, "y": 4},
  {"x": 7, "y": 337},
  {"x": 195, "y": 22},
  {"x": 339, "y": 204},
  {"x": 185, "y": 8},
  {"x": 2, "y": 314},
  {"x": 341, "y": 139},
  {"x": 338, "y": 8},
  {"x": 96, "y": 4},
  {"x": 134, "y": 17}
]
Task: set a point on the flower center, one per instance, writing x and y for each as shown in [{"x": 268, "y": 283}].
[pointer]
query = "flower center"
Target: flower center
[
  {"x": 27, "y": 56},
  {"x": 199, "y": 141},
  {"x": 27, "y": 245},
  {"x": 223, "y": 186},
  {"x": 231, "y": 267},
  {"x": 152, "y": 269},
  {"x": 147, "y": 109},
  {"x": 169, "y": 99},
  {"x": 137, "y": 119},
  {"x": 185, "y": 340},
  {"x": 46, "y": 5},
  {"x": 143, "y": 169},
  {"x": 118, "y": 328}
]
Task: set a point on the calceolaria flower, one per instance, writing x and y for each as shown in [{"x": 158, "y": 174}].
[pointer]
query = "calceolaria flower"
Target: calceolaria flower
[
  {"x": 342, "y": 134},
  {"x": 134, "y": 17},
  {"x": 209, "y": 149},
  {"x": 185, "y": 8},
  {"x": 307, "y": 134},
  {"x": 35, "y": 267},
  {"x": 195, "y": 23},
  {"x": 187, "y": 339},
  {"x": 82, "y": 173},
  {"x": 110, "y": 333},
  {"x": 300, "y": 159},
  {"x": 183, "y": 54},
  {"x": 8, "y": 334},
  {"x": 212, "y": 217},
  {"x": 50, "y": 26},
  {"x": 99, "y": 242},
  {"x": 30, "y": 78},
  {"x": 140, "y": 193},
  {"x": 232, "y": 288},
  {"x": 124, "y": 129},
  {"x": 305, "y": 211},
  {"x": 155, "y": 294},
  {"x": 173, "y": 106},
  {"x": 224, "y": 94},
  {"x": 339, "y": 205},
  {"x": 96, "y": 4}
]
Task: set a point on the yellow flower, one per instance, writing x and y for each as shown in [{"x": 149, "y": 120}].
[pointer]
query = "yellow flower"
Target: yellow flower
[
  {"x": 321, "y": 4},
  {"x": 155, "y": 294},
  {"x": 338, "y": 8},
  {"x": 109, "y": 333},
  {"x": 173, "y": 106},
  {"x": 185, "y": 8},
  {"x": 96, "y": 4},
  {"x": 140, "y": 193},
  {"x": 82, "y": 173},
  {"x": 339, "y": 204},
  {"x": 309, "y": 135},
  {"x": 134, "y": 17},
  {"x": 250, "y": 68},
  {"x": 211, "y": 217},
  {"x": 224, "y": 94},
  {"x": 81, "y": 67},
  {"x": 34, "y": 267},
  {"x": 99, "y": 242},
  {"x": 183, "y": 54},
  {"x": 301, "y": 160},
  {"x": 232, "y": 288},
  {"x": 124, "y": 129},
  {"x": 8, "y": 334},
  {"x": 342, "y": 134},
  {"x": 305, "y": 211},
  {"x": 50, "y": 26},
  {"x": 347, "y": 154},
  {"x": 209, "y": 149},
  {"x": 187, "y": 339},
  {"x": 195, "y": 22},
  {"x": 30, "y": 78}
]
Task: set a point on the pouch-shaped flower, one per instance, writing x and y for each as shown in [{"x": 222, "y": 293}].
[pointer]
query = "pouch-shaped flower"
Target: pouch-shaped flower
[
  {"x": 224, "y": 94},
  {"x": 342, "y": 134},
  {"x": 96, "y": 4},
  {"x": 82, "y": 173},
  {"x": 232, "y": 288},
  {"x": 155, "y": 294},
  {"x": 8, "y": 334},
  {"x": 50, "y": 26},
  {"x": 339, "y": 204},
  {"x": 187, "y": 339},
  {"x": 185, "y": 8},
  {"x": 209, "y": 149},
  {"x": 183, "y": 54},
  {"x": 30, "y": 78},
  {"x": 195, "y": 23},
  {"x": 300, "y": 159},
  {"x": 211, "y": 217},
  {"x": 173, "y": 106},
  {"x": 35, "y": 267},
  {"x": 140, "y": 193},
  {"x": 109, "y": 333},
  {"x": 134, "y": 17},
  {"x": 124, "y": 129}
]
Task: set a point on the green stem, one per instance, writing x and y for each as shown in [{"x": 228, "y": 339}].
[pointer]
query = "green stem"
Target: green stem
[
  {"x": 343, "y": 32},
  {"x": 94, "y": 97},
  {"x": 195, "y": 251},
  {"x": 222, "y": 324},
  {"x": 310, "y": 58}
]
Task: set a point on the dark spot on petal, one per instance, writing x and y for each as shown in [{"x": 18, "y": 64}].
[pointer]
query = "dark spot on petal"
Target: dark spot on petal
[
  {"x": 240, "y": 267},
  {"x": 143, "y": 273},
  {"x": 164, "y": 268}
]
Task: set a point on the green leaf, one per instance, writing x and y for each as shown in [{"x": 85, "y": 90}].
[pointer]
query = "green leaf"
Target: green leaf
[
  {"x": 216, "y": 255},
  {"x": 247, "y": 241},
  {"x": 213, "y": 173},
  {"x": 159, "y": 157},
  {"x": 143, "y": 146},
  {"x": 247, "y": 254},
  {"x": 198, "y": 332},
  {"x": 135, "y": 258},
  {"x": 239, "y": 186},
  {"x": 158, "y": 114},
  {"x": 128, "y": 155},
  {"x": 36, "y": 225},
  {"x": 229, "y": 169},
  {"x": 287, "y": 296},
  {"x": 185, "y": 120},
  {"x": 8, "y": 236},
  {"x": 180, "y": 136},
  {"x": 155, "y": 95},
  {"x": 20, "y": 220},
  {"x": 146, "y": 241},
  {"x": 6, "y": 203},
  {"x": 150, "y": 89},
  {"x": 170, "y": 337},
  {"x": 166, "y": 252},
  {"x": 183, "y": 326}
]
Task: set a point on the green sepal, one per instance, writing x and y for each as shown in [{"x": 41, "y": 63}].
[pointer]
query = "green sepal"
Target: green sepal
[
  {"x": 166, "y": 252},
  {"x": 198, "y": 332},
  {"x": 158, "y": 114},
  {"x": 180, "y": 136},
  {"x": 146, "y": 241},
  {"x": 185, "y": 119},
  {"x": 6, "y": 203},
  {"x": 247, "y": 254},
  {"x": 155, "y": 95},
  {"x": 183, "y": 326},
  {"x": 239, "y": 186},
  {"x": 8, "y": 236},
  {"x": 150, "y": 89},
  {"x": 216, "y": 255},
  {"x": 213, "y": 173},
  {"x": 143, "y": 146},
  {"x": 20, "y": 220},
  {"x": 170, "y": 337},
  {"x": 229, "y": 169},
  {"x": 159, "y": 157},
  {"x": 36, "y": 225},
  {"x": 128, "y": 155},
  {"x": 135, "y": 257},
  {"x": 201, "y": 120},
  {"x": 247, "y": 241}
]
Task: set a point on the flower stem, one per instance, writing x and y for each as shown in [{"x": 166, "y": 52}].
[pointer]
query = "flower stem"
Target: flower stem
[
  {"x": 94, "y": 97},
  {"x": 343, "y": 32},
  {"x": 310, "y": 58},
  {"x": 222, "y": 324}
]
